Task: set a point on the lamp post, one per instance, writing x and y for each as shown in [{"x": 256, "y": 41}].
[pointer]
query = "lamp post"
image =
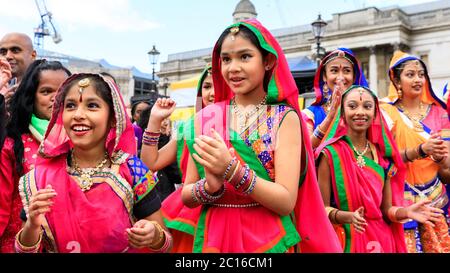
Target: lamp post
[
  {"x": 153, "y": 55},
  {"x": 318, "y": 30}
]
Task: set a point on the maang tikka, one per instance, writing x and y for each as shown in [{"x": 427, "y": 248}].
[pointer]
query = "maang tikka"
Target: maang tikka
[
  {"x": 234, "y": 31},
  {"x": 83, "y": 84}
]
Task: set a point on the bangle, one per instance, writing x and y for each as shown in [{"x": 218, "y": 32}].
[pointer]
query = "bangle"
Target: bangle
[
  {"x": 392, "y": 215},
  {"x": 238, "y": 164},
  {"x": 167, "y": 243},
  {"x": 318, "y": 133},
  {"x": 157, "y": 241},
  {"x": 436, "y": 160},
  {"x": 203, "y": 196},
  {"x": 329, "y": 210},
  {"x": 406, "y": 155},
  {"x": 421, "y": 152},
  {"x": 229, "y": 167},
  {"x": 150, "y": 138},
  {"x": 20, "y": 248},
  {"x": 335, "y": 216}
]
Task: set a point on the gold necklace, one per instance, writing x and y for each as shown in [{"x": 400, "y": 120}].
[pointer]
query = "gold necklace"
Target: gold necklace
[
  {"x": 85, "y": 181},
  {"x": 244, "y": 117},
  {"x": 360, "y": 159},
  {"x": 415, "y": 118}
]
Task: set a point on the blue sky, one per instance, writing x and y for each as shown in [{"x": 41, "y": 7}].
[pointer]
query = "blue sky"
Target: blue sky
[{"x": 123, "y": 31}]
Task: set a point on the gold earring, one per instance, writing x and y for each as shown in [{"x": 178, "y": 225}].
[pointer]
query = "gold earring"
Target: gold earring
[{"x": 400, "y": 93}]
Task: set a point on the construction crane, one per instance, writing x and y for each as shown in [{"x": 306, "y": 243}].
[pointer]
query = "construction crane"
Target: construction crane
[{"x": 42, "y": 30}]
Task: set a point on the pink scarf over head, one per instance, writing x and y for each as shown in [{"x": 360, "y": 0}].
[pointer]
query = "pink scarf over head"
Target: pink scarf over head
[
  {"x": 378, "y": 134},
  {"x": 311, "y": 220},
  {"x": 92, "y": 221}
]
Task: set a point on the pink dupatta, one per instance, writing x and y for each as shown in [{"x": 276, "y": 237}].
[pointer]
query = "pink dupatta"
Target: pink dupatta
[{"x": 359, "y": 186}]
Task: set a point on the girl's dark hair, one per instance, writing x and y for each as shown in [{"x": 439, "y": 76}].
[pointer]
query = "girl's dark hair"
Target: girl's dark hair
[
  {"x": 399, "y": 69},
  {"x": 357, "y": 87},
  {"x": 145, "y": 116},
  {"x": 134, "y": 106},
  {"x": 101, "y": 87},
  {"x": 108, "y": 75},
  {"x": 246, "y": 33},
  {"x": 22, "y": 104}
]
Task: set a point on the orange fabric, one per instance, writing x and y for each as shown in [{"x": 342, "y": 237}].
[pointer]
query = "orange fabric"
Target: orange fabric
[
  {"x": 182, "y": 242},
  {"x": 419, "y": 171}
]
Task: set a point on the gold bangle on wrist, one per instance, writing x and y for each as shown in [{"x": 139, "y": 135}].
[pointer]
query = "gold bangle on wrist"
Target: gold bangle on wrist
[
  {"x": 28, "y": 248},
  {"x": 157, "y": 241}
]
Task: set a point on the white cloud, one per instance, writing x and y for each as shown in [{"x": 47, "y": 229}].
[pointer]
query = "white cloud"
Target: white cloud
[
  {"x": 110, "y": 15},
  {"x": 21, "y": 9}
]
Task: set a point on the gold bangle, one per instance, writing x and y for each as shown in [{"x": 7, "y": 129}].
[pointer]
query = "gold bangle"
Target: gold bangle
[
  {"x": 29, "y": 248},
  {"x": 160, "y": 238},
  {"x": 329, "y": 210}
]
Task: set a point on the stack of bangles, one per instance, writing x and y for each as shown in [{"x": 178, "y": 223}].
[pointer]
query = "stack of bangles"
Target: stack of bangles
[
  {"x": 19, "y": 248},
  {"x": 200, "y": 195},
  {"x": 332, "y": 214},
  {"x": 150, "y": 138},
  {"x": 243, "y": 179},
  {"x": 162, "y": 235},
  {"x": 318, "y": 133}
]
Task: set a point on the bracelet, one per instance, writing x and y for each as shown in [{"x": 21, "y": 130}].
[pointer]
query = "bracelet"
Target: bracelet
[
  {"x": 194, "y": 195},
  {"x": 318, "y": 133},
  {"x": 158, "y": 241},
  {"x": 20, "y": 248},
  {"x": 435, "y": 160},
  {"x": 421, "y": 152},
  {"x": 203, "y": 196},
  {"x": 329, "y": 210},
  {"x": 392, "y": 211},
  {"x": 229, "y": 167},
  {"x": 252, "y": 184},
  {"x": 167, "y": 243},
  {"x": 335, "y": 216},
  {"x": 239, "y": 174},
  {"x": 238, "y": 165},
  {"x": 150, "y": 138},
  {"x": 406, "y": 155}
]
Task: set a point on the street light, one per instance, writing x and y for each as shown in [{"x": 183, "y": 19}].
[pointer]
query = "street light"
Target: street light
[
  {"x": 153, "y": 56},
  {"x": 318, "y": 30}
]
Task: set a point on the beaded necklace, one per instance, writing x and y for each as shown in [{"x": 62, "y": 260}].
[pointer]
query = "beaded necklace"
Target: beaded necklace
[{"x": 243, "y": 117}]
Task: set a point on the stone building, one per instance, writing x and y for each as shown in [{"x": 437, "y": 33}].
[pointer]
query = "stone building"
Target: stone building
[
  {"x": 372, "y": 33},
  {"x": 133, "y": 83}
]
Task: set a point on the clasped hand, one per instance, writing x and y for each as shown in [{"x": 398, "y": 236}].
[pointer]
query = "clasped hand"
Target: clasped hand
[{"x": 214, "y": 155}]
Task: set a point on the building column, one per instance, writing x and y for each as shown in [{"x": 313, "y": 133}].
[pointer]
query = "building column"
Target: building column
[{"x": 373, "y": 70}]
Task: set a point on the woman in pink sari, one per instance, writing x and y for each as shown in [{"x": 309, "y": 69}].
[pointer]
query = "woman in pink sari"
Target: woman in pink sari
[
  {"x": 253, "y": 128},
  {"x": 361, "y": 177},
  {"x": 88, "y": 188}
]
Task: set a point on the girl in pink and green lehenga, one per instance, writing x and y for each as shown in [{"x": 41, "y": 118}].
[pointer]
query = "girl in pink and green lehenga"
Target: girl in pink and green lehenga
[
  {"x": 361, "y": 177},
  {"x": 253, "y": 129}
]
